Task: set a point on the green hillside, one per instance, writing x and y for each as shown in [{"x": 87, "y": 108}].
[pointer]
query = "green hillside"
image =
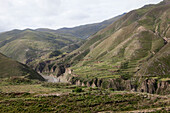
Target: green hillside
[
  {"x": 11, "y": 68},
  {"x": 131, "y": 53},
  {"x": 125, "y": 46},
  {"x": 27, "y": 45}
]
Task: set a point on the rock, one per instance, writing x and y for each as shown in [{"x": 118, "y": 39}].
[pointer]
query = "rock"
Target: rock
[
  {"x": 83, "y": 84},
  {"x": 93, "y": 85},
  {"x": 148, "y": 86},
  {"x": 88, "y": 84},
  {"x": 78, "y": 83},
  {"x": 163, "y": 86},
  {"x": 154, "y": 86}
]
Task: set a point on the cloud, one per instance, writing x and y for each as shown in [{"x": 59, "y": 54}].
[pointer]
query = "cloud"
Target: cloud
[{"x": 21, "y": 14}]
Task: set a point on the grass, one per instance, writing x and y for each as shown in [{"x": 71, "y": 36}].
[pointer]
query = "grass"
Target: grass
[
  {"x": 122, "y": 64},
  {"x": 60, "y": 97},
  {"x": 11, "y": 68},
  {"x": 104, "y": 54},
  {"x": 31, "y": 44},
  {"x": 92, "y": 100},
  {"x": 165, "y": 79},
  {"x": 144, "y": 10}
]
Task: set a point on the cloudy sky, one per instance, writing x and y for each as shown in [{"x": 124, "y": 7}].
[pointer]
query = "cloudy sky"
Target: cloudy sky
[{"x": 54, "y": 14}]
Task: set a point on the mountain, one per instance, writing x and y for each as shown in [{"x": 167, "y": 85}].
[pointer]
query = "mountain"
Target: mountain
[
  {"x": 27, "y": 45},
  {"x": 84, "y": 31},
  {"x": 130, "y": 54},
  {"x": 135, "y": 39},
  {"x": 10, "y": 68}
]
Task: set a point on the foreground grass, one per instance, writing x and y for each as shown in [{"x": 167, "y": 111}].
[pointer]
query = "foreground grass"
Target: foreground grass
[
  {"x": 83, "y": 102},
  {"x": 50, "y": 97}
]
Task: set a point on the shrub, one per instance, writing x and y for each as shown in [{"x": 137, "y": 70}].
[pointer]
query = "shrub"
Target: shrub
[
  {"x": 126, "y": 76},
  {"x": 77, "y": 90},
  {"x": 111, "y": 89}
]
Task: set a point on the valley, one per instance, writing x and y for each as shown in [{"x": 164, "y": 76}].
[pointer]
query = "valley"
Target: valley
[
  {"x": 129, "y": 54},
  {"x": 117, "y": 65}
]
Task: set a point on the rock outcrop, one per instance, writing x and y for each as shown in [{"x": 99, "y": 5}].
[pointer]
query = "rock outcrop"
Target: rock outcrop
[{"x": 148, "y": 85}]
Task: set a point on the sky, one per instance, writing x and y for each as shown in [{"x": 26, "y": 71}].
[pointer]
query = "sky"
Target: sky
[{"x": 54, "y": 14}]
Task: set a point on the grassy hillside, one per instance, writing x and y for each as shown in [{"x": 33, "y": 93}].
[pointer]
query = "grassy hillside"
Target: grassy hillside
[
  {"x": 11, "y": 68},
  {"x": 135, "y": 41},
  {"x": 27, "y": 45},
  {"x": 130, "y": 54}
]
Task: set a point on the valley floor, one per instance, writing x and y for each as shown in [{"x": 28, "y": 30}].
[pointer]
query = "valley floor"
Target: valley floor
[{"x": 34, "y": 96}]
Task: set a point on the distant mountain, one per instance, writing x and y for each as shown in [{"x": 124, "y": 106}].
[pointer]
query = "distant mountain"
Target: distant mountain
[
  {"x": 130, "y": 54},
  {"x": 84, "y": 31},
  {"x": 27, "y": 45},
  {"x": 10, "y": 68}
]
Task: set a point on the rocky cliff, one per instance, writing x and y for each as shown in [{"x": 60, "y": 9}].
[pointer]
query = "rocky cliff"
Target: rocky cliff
[{"x": 145, "y": 85}]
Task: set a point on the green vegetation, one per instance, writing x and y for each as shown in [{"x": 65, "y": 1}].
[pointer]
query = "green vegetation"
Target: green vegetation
[
  {"x": 10, "y": 68},
  {"x": 130, "y": 54},
  {"x": 37, "y": 98},
  {"x": 20, "y": 85},
  {"x": 27, "y": 45},
  {"x": 132, "y": 46},
  {"x": 55, "y": 85},
  {"x": 77, "y": 90},
  {"x": 24, "y": 95}
]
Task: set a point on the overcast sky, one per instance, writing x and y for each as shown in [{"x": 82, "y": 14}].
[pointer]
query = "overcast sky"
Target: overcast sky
[{"x": 54, "y": 14}]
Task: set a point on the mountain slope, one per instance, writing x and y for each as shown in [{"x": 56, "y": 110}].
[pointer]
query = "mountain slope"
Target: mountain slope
[
  {"x": 130, "y": 54},
  {"x": 9, "y": 68},
  {"x": 84, "y": 31},
  {"x": 27, "y": 45},
  {"x": 132, "y": 40}
]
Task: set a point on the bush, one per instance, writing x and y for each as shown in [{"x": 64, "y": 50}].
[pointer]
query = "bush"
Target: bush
[
  {"x": 111, "y": 89},
  {"x": 77, "y": 90},
  {"x": 126, "y": 76}
]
